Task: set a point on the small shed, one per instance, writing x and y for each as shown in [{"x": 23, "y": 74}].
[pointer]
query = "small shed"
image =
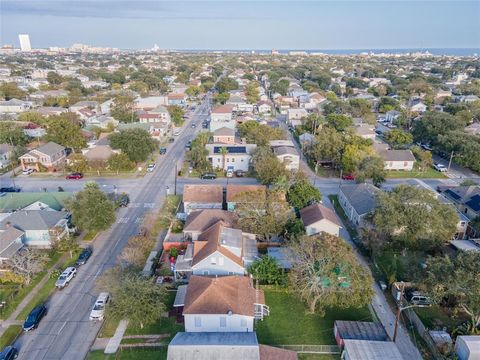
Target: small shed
[
  {"x": 358, "y": 330},
  {"x": 468, "y": 347},
  {"x": 283, "y": 256},
  {"x": 371, "y": 350}
]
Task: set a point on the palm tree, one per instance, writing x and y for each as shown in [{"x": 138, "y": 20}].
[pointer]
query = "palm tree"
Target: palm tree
[{"x": 223, "y": 151}]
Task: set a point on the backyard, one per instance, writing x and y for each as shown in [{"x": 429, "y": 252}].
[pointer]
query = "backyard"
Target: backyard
[{"x": 290, "y": 324}]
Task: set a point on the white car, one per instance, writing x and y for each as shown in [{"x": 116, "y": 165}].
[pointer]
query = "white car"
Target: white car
[
  {"x": 98, "y": 311},
  {"x": 440, "y": 167},
  {"x": 65, "y": 277},
  {"x": 27, "y": 171},
  {"x": 151, "y": 167}
]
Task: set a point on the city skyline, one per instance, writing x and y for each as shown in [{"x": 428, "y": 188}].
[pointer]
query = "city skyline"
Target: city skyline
[{"x": 244, "y": 25}]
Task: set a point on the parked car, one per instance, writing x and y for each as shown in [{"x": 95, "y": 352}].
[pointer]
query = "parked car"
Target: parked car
[
  {"x": 440, "y": 167},
  {"x": 229, "y": 173},
  {"x": 98, "y": 311},
  {"x": 194, "y": 126},
  {"x": 33, "y": 319},
  {"x": 163, "y": 151},
  {"x": 9, "y": 353},
  {"x": 417, "y": 298},
  {"x": 84, "y": 256},
  {"x": 27, "y": 171},
  {"x": 75, "y": 176},
  {"x": 65, "y": 277},
  {"x": 348, "y": 177},
  {"x": 239, "y": 173},
  {"x": 151, "y": 167},
  {"x": 209, "y": 176},
  {"x": 124, "y": 201},
  {"x": 10, "y": 189},
  {"x": 171, "y": 140}
]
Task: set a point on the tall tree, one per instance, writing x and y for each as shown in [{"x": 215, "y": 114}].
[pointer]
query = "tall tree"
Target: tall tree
[
  {"x": 339, "y": 122},
  {"x": 457, "y": 277},
  {"x": 137, "y": 144},
  {"x": 10, "y": 90},
  {"x": 27, "y": 262},
  {"x": 120, "y": 162},
  {"x": 176, "y": 114},
  {"x": 266, "y": 270},
  {"x": 414, "y": 218},
  {"x": 91, "y": 209},
  {"x": 328, "y": 146},
  {"x": 64, "y": 132},
  {"x": 12, "y": 134},
  {"x": 371, "y": 167},
  {"x": 264, "y": 215},
  {"x": 424, "y": 158},
  {"x": 267, "y": 166},
  {"x": 302, "y": 193},
  {"x": 326, "y": 273},
  {"x": 123, "y": 108},
  {"x": 398, "y": 138}
]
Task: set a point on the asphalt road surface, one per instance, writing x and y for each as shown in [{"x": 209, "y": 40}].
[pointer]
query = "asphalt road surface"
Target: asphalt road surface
[{"x": 66, "y": 332}]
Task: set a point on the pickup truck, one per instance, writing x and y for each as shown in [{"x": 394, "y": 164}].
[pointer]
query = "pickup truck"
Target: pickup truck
[
  {"x": 440, "y": 167},
  {"x": 65, "y": 277}
]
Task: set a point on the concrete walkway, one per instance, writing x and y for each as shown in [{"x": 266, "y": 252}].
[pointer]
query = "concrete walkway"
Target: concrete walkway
[
  {"x": 12, "y": 319},
  {"x": 116, "y": 339},
  {"x": 379, "y": 303}
]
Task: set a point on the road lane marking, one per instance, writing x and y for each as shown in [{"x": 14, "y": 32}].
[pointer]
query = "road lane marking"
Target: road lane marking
[
  {"x": 149, "y": 205},
  {"x": 123, "y": 220},
  {"x": 138, "y": 220}
]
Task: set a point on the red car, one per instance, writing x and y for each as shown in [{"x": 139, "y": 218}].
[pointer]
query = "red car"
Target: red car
[
  {"x": 348, "y": 177},
  {"x": 74, "y": 176}
]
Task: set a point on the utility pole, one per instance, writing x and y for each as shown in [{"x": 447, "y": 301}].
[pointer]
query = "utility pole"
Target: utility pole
[
  {"x": 450, "y": 161},
  {"x": 175, "y": 188},
  {"x": 340, "y": 180},
  {"x": 14, "y": 164},
  {"x": 399, "y": 311}
]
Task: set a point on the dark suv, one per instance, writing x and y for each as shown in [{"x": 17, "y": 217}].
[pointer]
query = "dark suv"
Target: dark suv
[
  {"x": 84, "y": 256},
  {"x": 33, "y": 319},
  {"x": 209, "y": 176},
  {"x": 8, "y": 353}
]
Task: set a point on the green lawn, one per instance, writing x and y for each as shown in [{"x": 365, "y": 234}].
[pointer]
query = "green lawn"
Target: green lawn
[
  {"x": 338, "y": 209},
  {"x": 289, "y": 324},
  {"x": 435, "y": 317},
  {"x": 10, "y": 335},
  {"x": 427, "y": 174},
  {"x": 133, "y": 354}
]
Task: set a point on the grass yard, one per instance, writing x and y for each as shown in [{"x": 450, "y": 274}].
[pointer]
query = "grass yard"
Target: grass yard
[
  {"x": 289, "y": 324},
  {"x": 435, "y": 317},
  {"x": 89, "y": 236},
  {"x": 430, "y": 173},
  {"x": 130, "y": 354},
  {"x": 10, "y": 335}
]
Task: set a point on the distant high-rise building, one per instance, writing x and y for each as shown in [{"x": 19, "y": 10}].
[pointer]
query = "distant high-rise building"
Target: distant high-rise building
[{"x": 24, "y": 42}]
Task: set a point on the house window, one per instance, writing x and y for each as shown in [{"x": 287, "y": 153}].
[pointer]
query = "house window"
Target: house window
[
  {"x": 198, "y": 321},
  {"x": 223, "y": 321},
  {"x": 205, "y": 272},
  {"x": 243, "y": 322},
  {"x": 220, "y": 261},
  {"x": 231, "y": 273},
  {"x": 213, "y": 260},
  {"x": 405, "y": 164}
]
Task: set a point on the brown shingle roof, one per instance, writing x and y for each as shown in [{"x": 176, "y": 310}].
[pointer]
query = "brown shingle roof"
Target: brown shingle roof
[
  {"x": 223, "y": 109},
  {"x": 206, "y": 295},
  {"x": 273, "y": 353},
  {"x": 316, "y": 212},
  {"x": 203, "y": 193},
  {"x": 201, "y": 220},
  {"x": 233, "y": 191},
  {"x": 209, "y": 242}
]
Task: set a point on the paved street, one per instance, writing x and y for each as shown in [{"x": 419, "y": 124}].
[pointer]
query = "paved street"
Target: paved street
[{"x": 66, "y": 333}]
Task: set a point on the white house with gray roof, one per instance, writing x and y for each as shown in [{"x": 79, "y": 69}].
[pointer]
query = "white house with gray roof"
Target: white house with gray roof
[
  {"x": 357, "y": 201},
  {"x": 50, "y": 155}
]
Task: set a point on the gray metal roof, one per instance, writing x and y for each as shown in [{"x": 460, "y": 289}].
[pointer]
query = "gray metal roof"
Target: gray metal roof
[
  {"x": 361, "y": 330},
  {"x": 372, "y": 350},
  {"x": 50, "y": 148},
  {"x": 180, "y": 296},
  {"x": 215, "y": 339},
  {"x": 34, "y": 219},
  {"x": 361, "y": 196},
  {"x": 9, "y": 242}
]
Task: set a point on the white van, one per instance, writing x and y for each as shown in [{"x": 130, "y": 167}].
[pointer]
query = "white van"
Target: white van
[{"x": 98, "y": 311}]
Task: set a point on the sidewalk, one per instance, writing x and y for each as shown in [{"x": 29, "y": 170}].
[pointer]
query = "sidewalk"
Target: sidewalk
[
  {"x": 26, "y": 300},
  {"x": 114, "y": 342}
]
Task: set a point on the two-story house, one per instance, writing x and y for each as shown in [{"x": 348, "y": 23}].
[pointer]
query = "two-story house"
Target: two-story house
[
  {"x": 222, "y": 116},
  {"x": 200, "y": 220},
  {"x": 50, "y": 155},
  {"x": 230, "y": 156}
]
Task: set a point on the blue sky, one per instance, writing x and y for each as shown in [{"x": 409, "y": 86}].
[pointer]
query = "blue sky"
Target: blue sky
[{"x": 240, "y": 24}]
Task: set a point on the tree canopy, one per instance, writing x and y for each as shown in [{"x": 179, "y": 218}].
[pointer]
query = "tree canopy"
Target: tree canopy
[
  {"x": 137, "y": 144},
  {"x": 267, "y": 166},
  {"x": 259, "y": 134},
  {"x": 302, "y": 193},
  {"x": 326, "y": 273},
  {"x": 63, "y": 131},
  {"x": 123, "y": 108}
]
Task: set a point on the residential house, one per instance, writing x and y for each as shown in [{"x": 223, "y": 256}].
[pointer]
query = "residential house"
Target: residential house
[
  {"x": 238, "y": 192},
  {"x": 237, "y": 156},
  {"x": 392, "y": 115},
  {"x": 41, "y": 227},
  {"x": 264, "y": 107},
  {"x": 200, "y": 220},
  {"x": 294, "y": 116},
  {"x": 34, "y": 131},
  {"x": 417, "y": 105},
  {"x": 101, "y": 121},
  {"x": 11, "y": 241},
  {"x": 50, "y": 155},
  {"x": 199, "y": 197},
  {"x": 318, "y": 218},
  {"x": 357, "y": 200},
  {"x": 224, "y": 135},
  {"x": 370, "y": 350},
  {"x": 473, "y": 129},
  {"x": 288, "y": 156},
  {"x": 47, "y": 201},
  {"x": 150, "y": 103},
  {"x": 6, "y": 152},
  {"x": 160, "y": 113},
  {"x": 466, "y": 199},
  {"x": 222, "y": 116},
  {"x": 42, "y": 95},
  {"x": 218, "y": 251},
  {"x": 365, "y": 131},
  {"x": 100, "y": 150},
  {"x": 179, "y": 99},
  {"x": 159, "y": 129},
  {"x": 50, "y": 110},
  {"x": 86, "y": 104},
  {"x": 224, "y": 345},
  {"x": 358, "y": 330},
  {"x": 306, "y": 139},
  {"x": 223, "y": 304},
  {"x": 467, "y": 347},
  {"x": 398, "y": 159},
  {"x": 14, "y": 106}
]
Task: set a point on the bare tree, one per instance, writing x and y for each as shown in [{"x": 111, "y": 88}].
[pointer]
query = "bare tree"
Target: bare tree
[
  {"x": 136, "y": 251},
  {"x": 28, "y": 262}
]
